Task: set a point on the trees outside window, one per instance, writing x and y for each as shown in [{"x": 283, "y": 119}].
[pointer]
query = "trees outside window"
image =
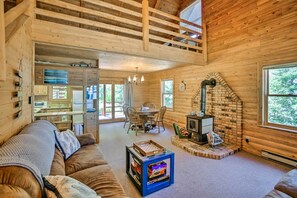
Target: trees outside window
[
  {"x": 167, "y": 93},
  {"x": 280, "y": 96}
]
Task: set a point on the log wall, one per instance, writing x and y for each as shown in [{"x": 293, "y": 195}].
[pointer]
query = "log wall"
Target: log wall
[
  {"x": 19, "y": 55},
  {"x": 242, "y": 37}
]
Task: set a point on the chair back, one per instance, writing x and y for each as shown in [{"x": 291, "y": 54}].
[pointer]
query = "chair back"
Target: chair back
[
  {"x": 125, "y": 108},
  {"x": 132, "y": 115},
  {"x": 162, "y": 113},
  {"x": 149, "y": 105},
  {"x": 176, "y": 129}
]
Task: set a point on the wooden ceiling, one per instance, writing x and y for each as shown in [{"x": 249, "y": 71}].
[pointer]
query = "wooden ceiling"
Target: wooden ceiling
[{"x": 107, "y": 61}]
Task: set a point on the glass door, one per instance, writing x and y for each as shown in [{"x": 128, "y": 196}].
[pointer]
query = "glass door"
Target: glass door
[
  {"x": 111, "y": 100},
  {"x": 118, "y": 101}
]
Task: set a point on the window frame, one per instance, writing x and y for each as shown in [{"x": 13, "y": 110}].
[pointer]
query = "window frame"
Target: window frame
[
  {"x": 51, "y": 89},
  {"x": 162, "y": 93},
  {"x": 265, "y": 95}
]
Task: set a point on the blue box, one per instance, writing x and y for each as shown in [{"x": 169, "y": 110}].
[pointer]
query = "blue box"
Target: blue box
[{"x": 140, "y": 175}]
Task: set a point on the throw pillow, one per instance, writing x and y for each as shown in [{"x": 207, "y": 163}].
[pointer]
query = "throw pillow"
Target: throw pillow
[
  {"x": 63, "y": 186},
  {"x": 214, "y": 139},
  {"x": 68, "y": 143}
]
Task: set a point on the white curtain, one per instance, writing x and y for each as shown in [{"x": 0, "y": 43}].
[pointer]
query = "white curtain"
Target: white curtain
[{"x": 128, "y": 91}]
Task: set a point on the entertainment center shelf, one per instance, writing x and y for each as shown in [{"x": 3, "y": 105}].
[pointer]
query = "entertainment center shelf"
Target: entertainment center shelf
[{"x": 143, "y": 183}]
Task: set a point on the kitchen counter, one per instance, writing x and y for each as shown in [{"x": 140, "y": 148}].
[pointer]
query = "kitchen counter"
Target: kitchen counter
[
  {"x": 58, "y": 113},
  {"x": 53, "y": 108}
]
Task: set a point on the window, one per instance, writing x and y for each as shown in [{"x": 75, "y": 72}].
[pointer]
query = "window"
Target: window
[
  {"x": 167, "y": 93},
  {"x": 59, "y": 93},
  {"x": 192, "y": 13},
  {"x": 280, "y": 96},
  {"x": 111, "y": 100}
]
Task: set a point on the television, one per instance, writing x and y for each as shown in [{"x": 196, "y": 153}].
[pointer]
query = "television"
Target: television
[{"x": 55, "y": 76}]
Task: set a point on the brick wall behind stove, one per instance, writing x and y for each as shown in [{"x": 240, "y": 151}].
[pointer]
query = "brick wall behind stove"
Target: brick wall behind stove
[{"x": 227, "y": 111}]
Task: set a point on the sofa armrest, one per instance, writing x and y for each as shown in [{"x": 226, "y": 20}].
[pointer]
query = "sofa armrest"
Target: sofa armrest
[
  {"x": 288, "y": 183},
  {"x": 13, "y": 191},
  {"x": 86, "y": 139},
  {"x": 15, "y": 180}
]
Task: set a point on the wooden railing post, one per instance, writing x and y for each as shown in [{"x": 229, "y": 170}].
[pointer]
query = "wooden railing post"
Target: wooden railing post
[
  {"x": 2, "y": 43},
  {"x": 204, "y": 42},
  {"x": 145, "y": 24}
]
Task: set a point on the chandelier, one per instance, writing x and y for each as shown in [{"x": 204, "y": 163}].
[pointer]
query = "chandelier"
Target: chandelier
[{"x": 136, "y": 79}]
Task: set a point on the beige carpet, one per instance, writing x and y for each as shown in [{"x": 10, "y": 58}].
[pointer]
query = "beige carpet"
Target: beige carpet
[{"x": 239, "y": 176}]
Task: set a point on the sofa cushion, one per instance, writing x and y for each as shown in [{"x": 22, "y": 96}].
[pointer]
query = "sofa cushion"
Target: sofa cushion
[
  {"x": 86, "y": 139},
  {"x": 67, "y": 142},
  {"x": 276, "y": 194},
  {"x": 85, "y": 157},
  {"x": 15, "y": 176},
  {"x": 58, "y": 165},
  {"x": 13, "y": 191},
  {"x": 64, "y": 186},
  {"x": 101, "y": 179},
  {"x": 288, "y": 183}
]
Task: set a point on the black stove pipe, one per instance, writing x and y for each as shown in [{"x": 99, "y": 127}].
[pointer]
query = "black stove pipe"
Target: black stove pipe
[{"x": 212, "y": 83}]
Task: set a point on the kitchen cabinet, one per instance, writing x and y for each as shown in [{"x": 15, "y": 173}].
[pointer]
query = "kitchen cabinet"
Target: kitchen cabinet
[
  {"x": 60, "y": 116},
  {"x": 75, "y": 75}
]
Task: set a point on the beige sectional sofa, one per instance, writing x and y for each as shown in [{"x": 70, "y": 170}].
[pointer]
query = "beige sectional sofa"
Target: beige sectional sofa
[
  {"x": 286, "y": 187},
  {"x": 87, "y": 165}
]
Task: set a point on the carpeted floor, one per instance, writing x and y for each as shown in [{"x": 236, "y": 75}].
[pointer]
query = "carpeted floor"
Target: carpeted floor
[{"x": 238, "y": 176}]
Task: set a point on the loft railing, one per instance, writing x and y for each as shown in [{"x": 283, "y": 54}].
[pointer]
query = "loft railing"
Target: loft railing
[{"x": 129, "y": 19}]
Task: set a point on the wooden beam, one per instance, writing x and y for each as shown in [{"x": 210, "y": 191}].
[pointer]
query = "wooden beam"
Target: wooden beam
[
  {"x": 204, "y": 42},
  {"x": 145, "y": 23},
  {"x": 157, "y": 5},
  {"x": 113, "y": 7},
  {"x": 15, "y": 12},
  {"x": 14, "y": 27},
  {"x": 2, "y": 43}
]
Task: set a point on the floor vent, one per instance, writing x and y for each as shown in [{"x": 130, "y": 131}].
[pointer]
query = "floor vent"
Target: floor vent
[{"x": 279, "y": 158}]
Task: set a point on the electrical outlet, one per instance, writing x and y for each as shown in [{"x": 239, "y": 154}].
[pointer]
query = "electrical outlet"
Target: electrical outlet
[{"x": 247, "y": 140}]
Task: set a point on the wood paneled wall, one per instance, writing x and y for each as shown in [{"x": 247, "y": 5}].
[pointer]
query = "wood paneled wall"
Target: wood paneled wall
[
  {"x": 141, "y": 94},
  {"x": 242, "y": 36},
  {"x": 19, "y": 48}
]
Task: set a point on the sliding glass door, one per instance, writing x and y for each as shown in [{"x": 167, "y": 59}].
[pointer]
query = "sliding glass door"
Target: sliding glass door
[{"x": 111, "y": 100}]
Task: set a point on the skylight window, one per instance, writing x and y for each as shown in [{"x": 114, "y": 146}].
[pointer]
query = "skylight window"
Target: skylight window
[{"x": 192, "y": 13}]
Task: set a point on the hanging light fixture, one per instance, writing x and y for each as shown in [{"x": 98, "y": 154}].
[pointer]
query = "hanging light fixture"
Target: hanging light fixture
[{"x": 135, "y": 78}]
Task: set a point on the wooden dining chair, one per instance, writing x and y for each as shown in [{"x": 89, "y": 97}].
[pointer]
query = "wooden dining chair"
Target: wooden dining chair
[
  {"x": 160, "y": 118},
  {"x": 149, "y": 105},
  {"x": 125, "y": 108},
  {"x": 135, "y": 122}
]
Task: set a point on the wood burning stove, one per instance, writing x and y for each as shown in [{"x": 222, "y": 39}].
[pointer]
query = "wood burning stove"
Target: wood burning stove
[{"x": 199, "y": 126}]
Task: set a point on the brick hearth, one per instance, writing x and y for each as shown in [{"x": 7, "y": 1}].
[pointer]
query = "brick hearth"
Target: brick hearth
[{"x": 217, "y": 152}]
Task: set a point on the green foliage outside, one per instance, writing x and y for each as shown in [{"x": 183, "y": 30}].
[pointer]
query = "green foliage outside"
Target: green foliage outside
[
  {"x": 168, "y": 93},
  {"x": 119, "y": 97},
  {"x": 282, "y": 97}
]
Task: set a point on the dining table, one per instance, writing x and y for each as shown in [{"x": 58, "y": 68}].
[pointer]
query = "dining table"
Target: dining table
[{"x": 145, "y": 115}]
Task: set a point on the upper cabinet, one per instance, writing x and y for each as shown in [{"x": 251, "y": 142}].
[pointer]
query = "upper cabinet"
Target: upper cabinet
[{"x": 53, "y": 75}]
